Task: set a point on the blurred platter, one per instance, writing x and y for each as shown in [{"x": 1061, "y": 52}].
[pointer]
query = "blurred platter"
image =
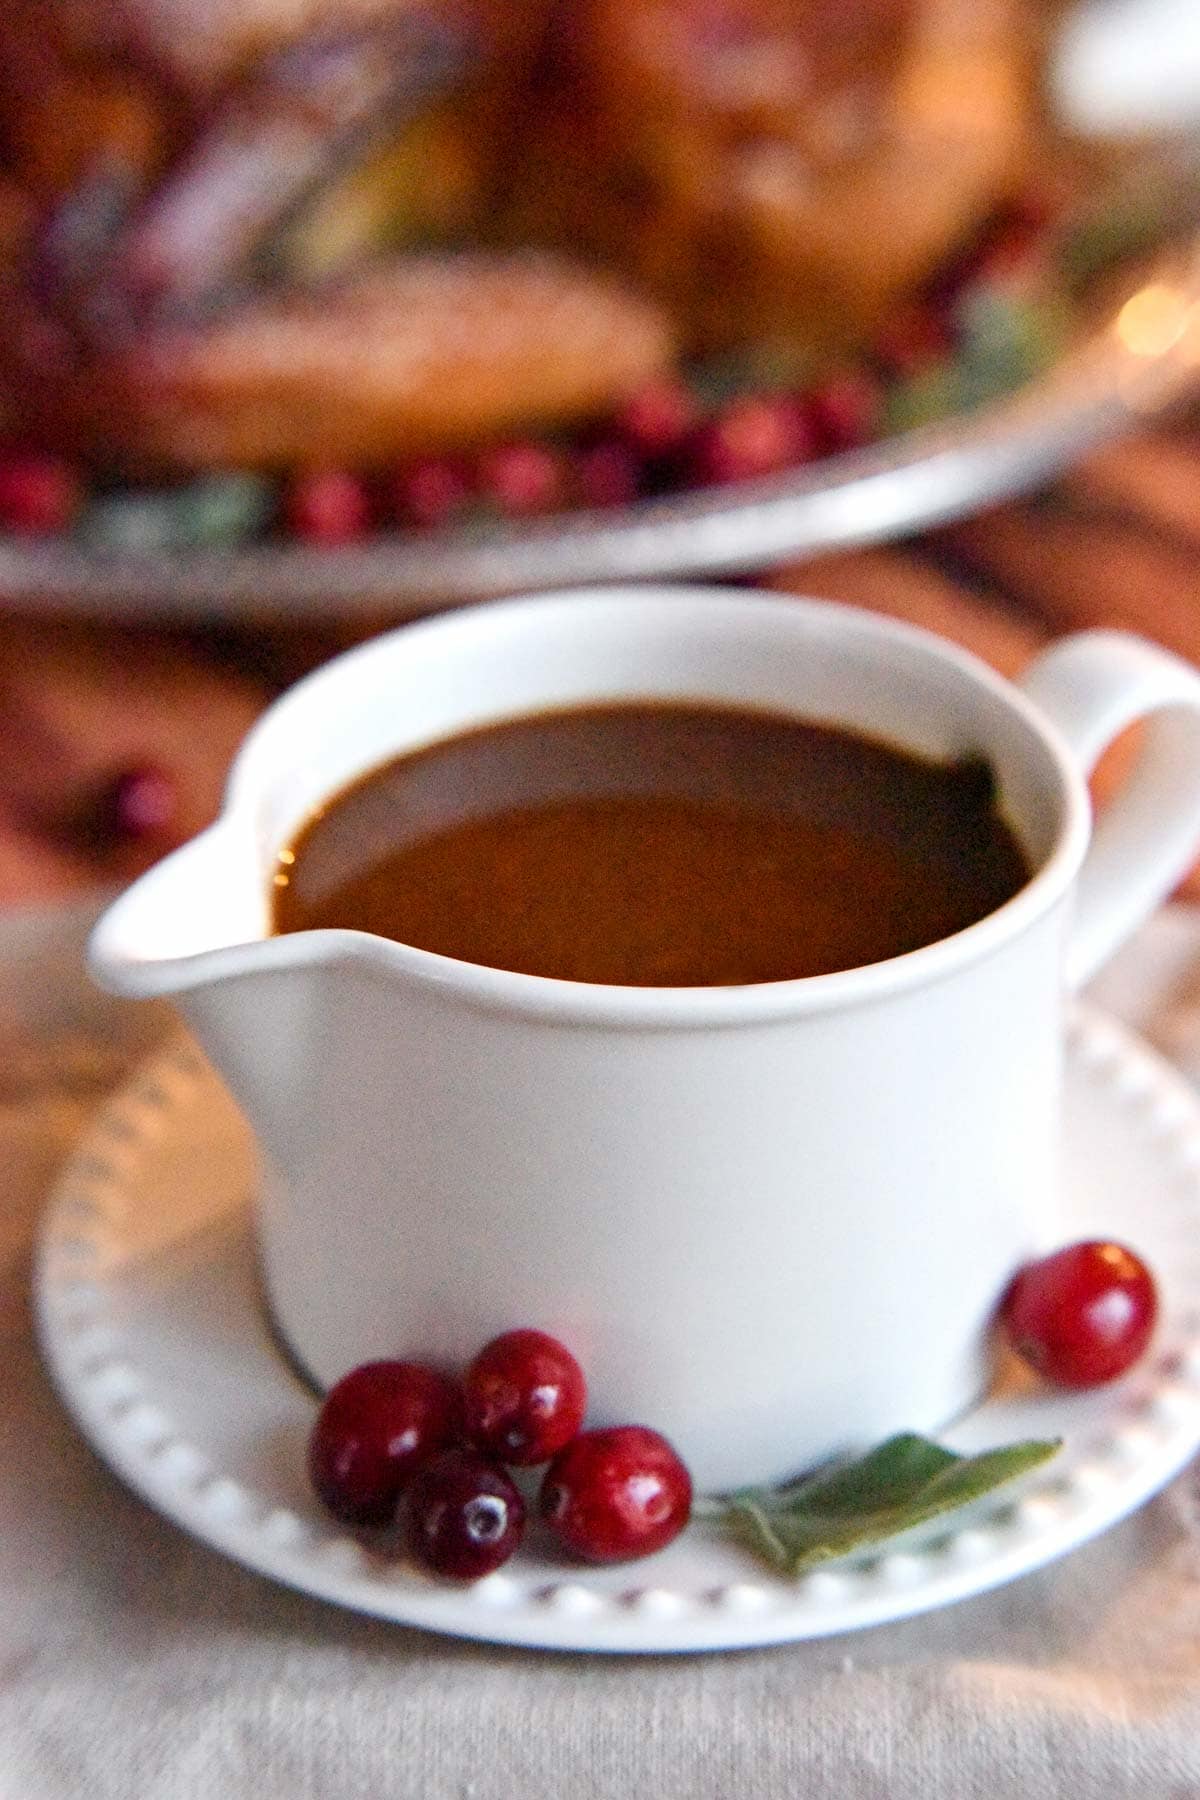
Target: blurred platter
[
  {"x": 1142, "y": 357},
  {"x": 1108, "y": 338}
]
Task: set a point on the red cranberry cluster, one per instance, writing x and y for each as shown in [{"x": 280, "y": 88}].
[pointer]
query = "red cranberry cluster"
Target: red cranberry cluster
[
  {"x": 661, "y": 439},
  {"x": 400, "y": 1448}
]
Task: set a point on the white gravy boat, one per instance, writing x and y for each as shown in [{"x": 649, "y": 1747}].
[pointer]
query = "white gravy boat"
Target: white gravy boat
[{"x": 772, "y": 1221}]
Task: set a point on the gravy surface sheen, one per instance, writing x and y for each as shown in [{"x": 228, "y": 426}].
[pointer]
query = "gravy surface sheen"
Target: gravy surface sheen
[{"x": 656, "y": 845}]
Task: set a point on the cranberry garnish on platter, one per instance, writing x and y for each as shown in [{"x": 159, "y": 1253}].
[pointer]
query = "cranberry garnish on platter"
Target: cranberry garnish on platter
[
  {"x": 327, "y": 508},
  {"x": 725, "y": 418},
  {"x": 377, "y": 1425},
  {"x": 465, "y": 1517},
  {"x": 760, "y": 434},
  {"x": 658, "y": 419},
  {"x": 616, "y": 1494},
  {"x": 432, "y": 493},
  {"x": 525, "y": 1397},
  {"x": 1083, "y": 1315},
  {"x": 521, "y": 480}
]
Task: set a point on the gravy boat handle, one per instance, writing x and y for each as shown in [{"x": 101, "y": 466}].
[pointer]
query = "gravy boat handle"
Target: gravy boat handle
[{"x": 1092, "y": 687}]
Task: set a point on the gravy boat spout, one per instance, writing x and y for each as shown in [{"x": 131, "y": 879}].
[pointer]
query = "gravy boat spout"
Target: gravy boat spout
[
  {"x": 195, "y": 929},
  {"x": 196, "y": 917}
]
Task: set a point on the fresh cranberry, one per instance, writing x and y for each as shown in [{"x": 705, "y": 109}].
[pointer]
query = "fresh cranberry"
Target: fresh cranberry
[
  {"x": 521, "y": 480},
  {"x": 658, "y": 418},
  {"x": 465, "y": 1517},
  {"x": 431, "y": 493},
  {"x": 143, "y": 802},
  {"x": 616, "y": 1494},
  {"x": 759, "y": 434},
  {"x": 140, "y": 805},
  {"x": 328, "y": 507},
  {"x": 376, "y": 1427},
  {"x": 1083, "y": 1315},
  {"x": 525, "y": 1397},
  {"x": 39, "y": 495},
  {"x": 607, "y": 475},
  {"x": 845, "y": 410}
]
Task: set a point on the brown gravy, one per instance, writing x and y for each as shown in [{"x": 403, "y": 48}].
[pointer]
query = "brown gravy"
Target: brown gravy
[{"x": 657, "y": 845}]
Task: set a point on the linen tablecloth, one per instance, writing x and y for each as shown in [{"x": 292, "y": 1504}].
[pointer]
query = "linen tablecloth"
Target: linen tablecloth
[{"x": 135, "y": 1663}]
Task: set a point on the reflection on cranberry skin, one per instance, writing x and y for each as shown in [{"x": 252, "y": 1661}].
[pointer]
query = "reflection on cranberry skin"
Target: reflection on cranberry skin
[
  {"x": 616, "y": 1494},
  {"x": 465, "y": 1517},
  {"x": 525, "y": 1397}
]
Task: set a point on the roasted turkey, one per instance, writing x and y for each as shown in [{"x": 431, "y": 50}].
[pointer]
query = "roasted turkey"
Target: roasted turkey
[{"x": 266, "y": 233}]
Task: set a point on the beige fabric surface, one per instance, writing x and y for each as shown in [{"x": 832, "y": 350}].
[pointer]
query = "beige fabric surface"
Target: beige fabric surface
[{"x": 136, "y": 1664}]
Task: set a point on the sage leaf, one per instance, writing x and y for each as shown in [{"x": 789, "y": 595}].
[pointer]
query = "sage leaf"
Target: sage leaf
[{"x": 901, "y": 1483}]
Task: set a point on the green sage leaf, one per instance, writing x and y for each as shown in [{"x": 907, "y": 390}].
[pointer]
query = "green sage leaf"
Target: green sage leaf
[{"x": 901, "y": 1483}]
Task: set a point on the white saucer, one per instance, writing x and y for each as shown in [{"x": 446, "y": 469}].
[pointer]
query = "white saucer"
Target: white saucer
[{"x": 151, "y": 1324}]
